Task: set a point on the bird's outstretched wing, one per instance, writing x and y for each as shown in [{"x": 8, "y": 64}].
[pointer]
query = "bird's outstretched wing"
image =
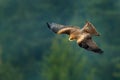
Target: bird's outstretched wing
[
  {"x": 83, "y": 36},
  {"x": 90, "y": 45},
  {"x": 60, "y": 29},
  {"x": 89, "y": 28}
]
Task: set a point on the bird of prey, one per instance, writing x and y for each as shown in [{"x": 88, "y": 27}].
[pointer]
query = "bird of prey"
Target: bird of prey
[{"x": 82, "y": 36}]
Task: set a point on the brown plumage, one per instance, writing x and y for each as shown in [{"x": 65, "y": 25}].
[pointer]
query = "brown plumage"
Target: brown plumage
[{"x": 82, "y": 36}]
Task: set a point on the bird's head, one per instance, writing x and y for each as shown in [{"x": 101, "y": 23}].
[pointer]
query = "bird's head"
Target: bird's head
[{"x": 71, "y": 39}]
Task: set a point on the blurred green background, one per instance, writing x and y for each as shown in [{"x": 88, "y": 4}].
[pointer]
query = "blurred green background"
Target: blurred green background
[{"x": 30, "y": 51}]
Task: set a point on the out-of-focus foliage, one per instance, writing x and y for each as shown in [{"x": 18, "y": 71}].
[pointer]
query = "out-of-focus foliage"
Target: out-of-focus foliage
[
  {"x": 62, "y": 63},
  {"x": 28, "y": 49},
  {"x": 8, "y": 72},
  {"x": 116, "y": 72}
]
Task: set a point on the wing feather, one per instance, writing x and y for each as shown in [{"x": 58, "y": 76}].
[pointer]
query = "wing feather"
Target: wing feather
[
  {"x": 90, "y": 45},
  {"x": 66, "y": 30},
  {"x": 61, "y": 29},
  {"x": 93, "y": 46},
  {"x": 55, "y": 27}
]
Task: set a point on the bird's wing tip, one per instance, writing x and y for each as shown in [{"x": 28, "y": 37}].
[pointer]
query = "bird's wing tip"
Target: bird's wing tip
[
  {"x": 48, "y": 24},
  {"x": 101, "y": 52}
]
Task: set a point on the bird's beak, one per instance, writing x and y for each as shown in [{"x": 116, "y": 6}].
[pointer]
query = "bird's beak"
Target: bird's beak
[{"x": 70, "y": 39}]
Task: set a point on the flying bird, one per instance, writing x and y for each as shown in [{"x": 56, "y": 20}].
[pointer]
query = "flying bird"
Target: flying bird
[{"x": 82, "y": 36}]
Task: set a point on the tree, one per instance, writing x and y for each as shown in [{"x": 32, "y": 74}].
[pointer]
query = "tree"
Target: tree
[
  {"x": 62, "y": 62},
  {"x": 116, "y": 65},
  {"x": 8, "y": 72}
]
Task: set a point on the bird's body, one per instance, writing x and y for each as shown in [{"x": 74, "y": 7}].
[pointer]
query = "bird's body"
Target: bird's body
[{"x": 82, "y": 36}]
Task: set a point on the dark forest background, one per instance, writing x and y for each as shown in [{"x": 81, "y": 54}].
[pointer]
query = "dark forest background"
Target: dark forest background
[{"x": 30, "y": 51}]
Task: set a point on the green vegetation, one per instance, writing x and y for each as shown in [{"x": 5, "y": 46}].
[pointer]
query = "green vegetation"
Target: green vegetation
[
  {"x": 30, "y": 51},
  {"x": 63, "y": 63},
  {"x": 8, "y": 72}
]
